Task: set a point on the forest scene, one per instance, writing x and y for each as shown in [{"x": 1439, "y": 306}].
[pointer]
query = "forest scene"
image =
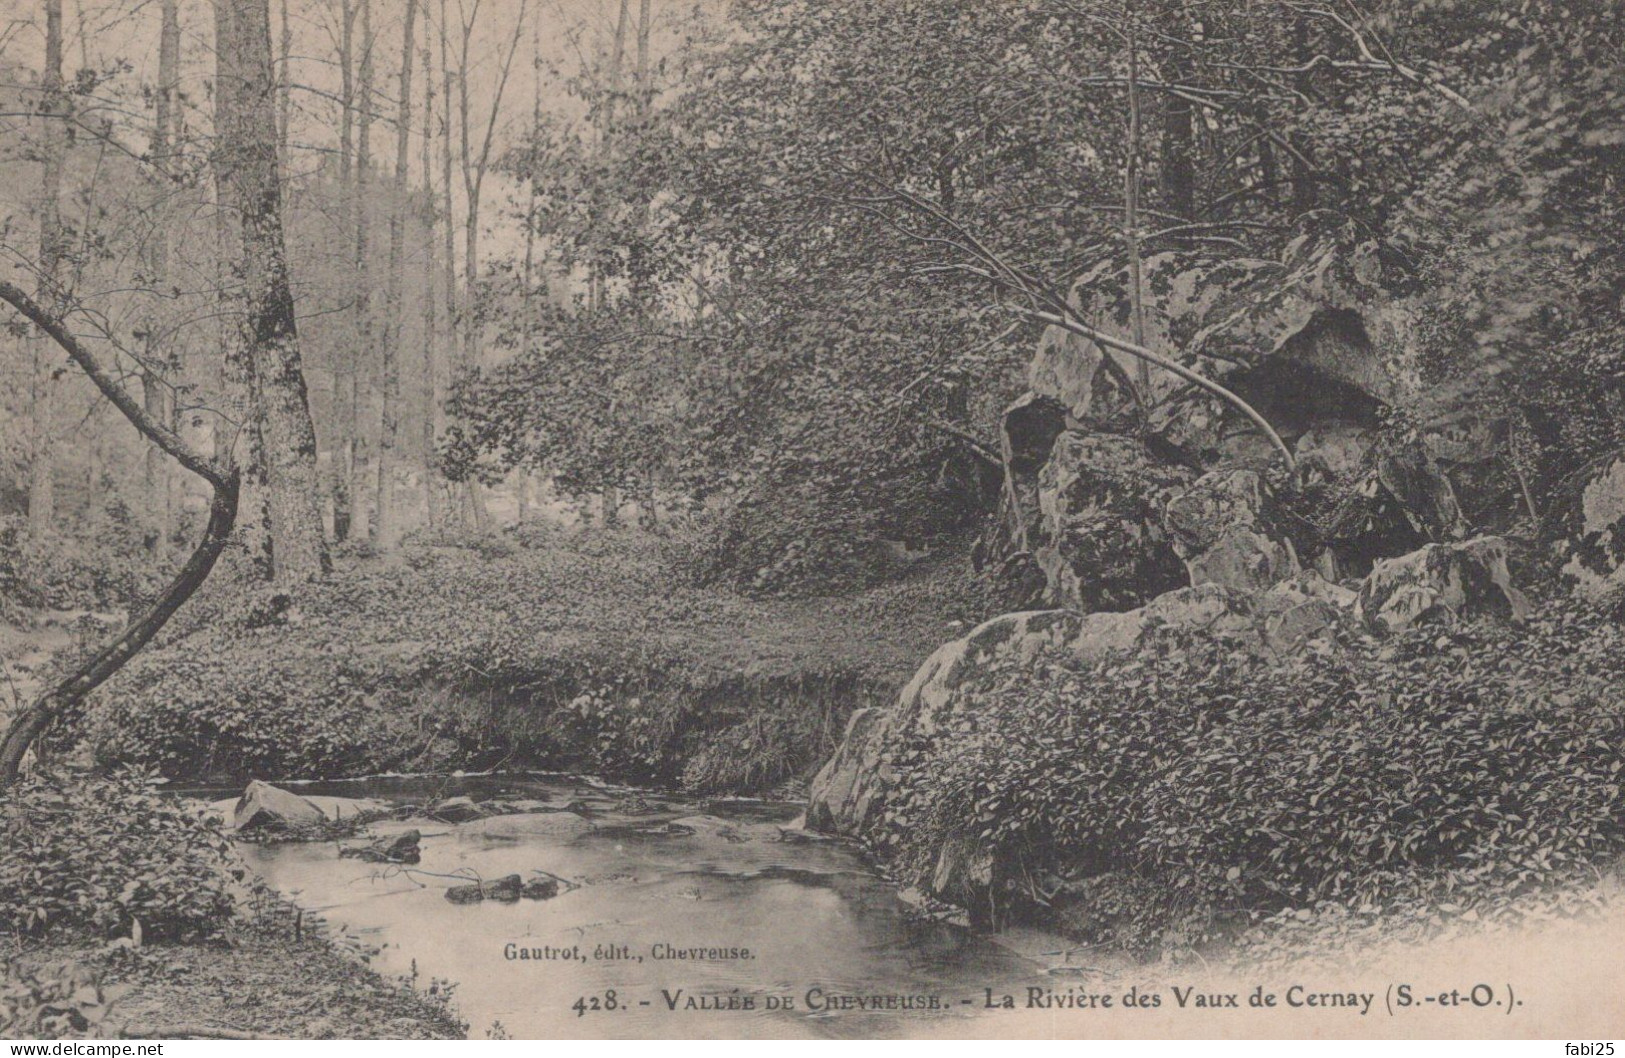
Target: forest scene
[{"x": 1145, "y": 474}]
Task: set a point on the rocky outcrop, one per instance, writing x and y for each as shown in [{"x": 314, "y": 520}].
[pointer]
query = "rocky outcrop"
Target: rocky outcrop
[
  {"x": 1441, "y": 582},
  {"x": 264, "y": 806},
  {"x": 1226, "y": 531},
  {"x": 1154, "y": 534},
  {"x": 1585, "y": 528},
  {"x": 1104, "y": 544},
  {"x": 849, "y": 792},
  {"x": 1302, "y": 608},
  {"x": 1076, "y": 375}
]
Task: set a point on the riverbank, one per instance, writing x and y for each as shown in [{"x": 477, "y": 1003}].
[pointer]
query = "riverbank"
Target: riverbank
[
  {"x": 244, "y": 984},
  {"x": 586, "y": 651}
]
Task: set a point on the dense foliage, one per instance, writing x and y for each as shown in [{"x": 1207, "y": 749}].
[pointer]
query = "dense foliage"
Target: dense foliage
[
  {"x": 106, "y": 567},
  {"x": 111, "y": 857},
  {"x": 1179, "y": 794},
  {"x": 804, "y": 227}
]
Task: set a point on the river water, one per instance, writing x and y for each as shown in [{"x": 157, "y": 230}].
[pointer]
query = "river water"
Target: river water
[{"x": 657, "y": 876}]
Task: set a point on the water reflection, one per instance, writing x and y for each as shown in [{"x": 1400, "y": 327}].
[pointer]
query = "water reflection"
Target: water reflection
[{"x": 702, "y": 919}]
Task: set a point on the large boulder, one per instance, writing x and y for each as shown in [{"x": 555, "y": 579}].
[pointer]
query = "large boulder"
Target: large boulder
[
  {"x": 1027, "y": 433},
  {"x": 263, "y": 805},
  {"x": 1180, "y": 291},
  {"x": 1214, "y": 611},
  {"x": 1423, "y": 492},
  {"x": 1226, "y": 531},
  {"x": 850, "y": 791},
  {"x": 1074, "y": 372},
  {"x": 1322, "y": 308},
  {"x": 1301, "y": 608},
  {"x": 1585, "y": 527},
  {"x": 1104, "y": 546},
  {"x": 1333, "y": 451},
  {"x": 843, "y": 792},
  {"x": 1441, "y": 582}
]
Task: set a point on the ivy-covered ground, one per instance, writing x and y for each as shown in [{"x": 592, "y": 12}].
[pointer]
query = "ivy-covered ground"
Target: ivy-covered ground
[
  {"x": 595, "y": 651},
  {"x": 124, "y": 912},
  {"x": 1194, "y": 794}
]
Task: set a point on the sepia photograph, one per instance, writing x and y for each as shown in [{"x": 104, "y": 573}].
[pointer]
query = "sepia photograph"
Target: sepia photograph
[{"x": 811, "y": 520}]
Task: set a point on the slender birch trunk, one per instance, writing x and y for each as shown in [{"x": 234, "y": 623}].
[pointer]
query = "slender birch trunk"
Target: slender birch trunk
[
  {"x": 361, "y": 373},
  {"x": 430, "y": 407},
  {"x": 389, "y": 528},
  {"x": 44, "y": 354}
]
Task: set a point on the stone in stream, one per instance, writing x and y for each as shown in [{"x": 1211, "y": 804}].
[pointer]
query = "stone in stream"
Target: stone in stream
[
  {"x": 507, "y": 889},
  {"x": 403, "y": 848},
  {"x": 338, "y": 809},
  {"x": 529, "y": 825},
  {"x": 540, "y": 889},
  {"x": 457, "y": 810},
  {"x": 263, "y": 805}
]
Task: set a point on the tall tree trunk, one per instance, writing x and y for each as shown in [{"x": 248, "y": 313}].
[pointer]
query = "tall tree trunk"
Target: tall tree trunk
[
  {"x": 449, "y": 230},
  {"x": 52, "y": 247},
  {"x": 431, "y": 276},
  {"x": 645, "y": 89},
  {"x": 1305, "y": 196},
  {"x": 527, "y": 281},
  {"x": 361, "y": 372},
  {"x": 240, "y": 442},
  {"x": 1177, "y": 169},
  {"x": 474, "y": 169},
  {"x": 344, "y": 362},
  {"x": 389, "y": 528},
  {"x": 284, "y": 87},
  {"x": 1131, "y": 205},
  {"x": 618, "y": 57},
  {"x": 246, "y": 144},
  {"x": 154, "y": 383}
]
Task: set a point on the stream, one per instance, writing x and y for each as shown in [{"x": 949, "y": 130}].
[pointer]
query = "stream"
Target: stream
[{"x": 659, "y": 877}]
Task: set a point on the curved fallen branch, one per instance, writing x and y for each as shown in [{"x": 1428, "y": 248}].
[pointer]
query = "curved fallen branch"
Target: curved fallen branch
[
  {"x": 1067, "y": 323},
  {"x": 28, "y": 725},
  {"x": 1006, "y": 275}
]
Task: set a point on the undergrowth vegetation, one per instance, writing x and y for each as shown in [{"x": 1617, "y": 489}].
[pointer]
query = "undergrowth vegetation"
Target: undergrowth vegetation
[
  {"x": 592, "y": 650},
  {"x": 1175, "y": 797},
  {"x": 109, "y": 856}
]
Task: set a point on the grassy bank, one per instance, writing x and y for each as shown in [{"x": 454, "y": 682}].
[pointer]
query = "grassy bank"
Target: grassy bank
[
  {"x": 126, "y": 913},
  {"x": 591, "y": 651},
  {"x": 273, "y": 986}
]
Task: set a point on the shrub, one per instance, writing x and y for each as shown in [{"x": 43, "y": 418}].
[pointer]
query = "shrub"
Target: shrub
[
  {"x": 104, "y": 853},
  {"x": 109, "y": 568},
  {"x": 62, "y": 999},
  {"x": 1199, "y": 783}
]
